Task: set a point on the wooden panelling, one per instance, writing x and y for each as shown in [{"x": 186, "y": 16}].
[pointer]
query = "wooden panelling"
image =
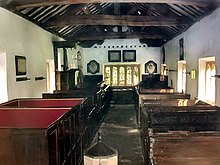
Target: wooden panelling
[
  {"x": 191, "y": 148},
  {"x": 59, "y": 141},
  {"x": 180, "y": 132}
]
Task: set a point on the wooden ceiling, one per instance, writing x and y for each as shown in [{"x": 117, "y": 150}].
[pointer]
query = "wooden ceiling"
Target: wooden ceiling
[{"x": 154, "y": 22}]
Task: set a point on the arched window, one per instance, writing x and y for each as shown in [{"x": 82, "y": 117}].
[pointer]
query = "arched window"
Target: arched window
[
  {"x": 181, "y": 76},
  {"x": 122, "y": 76},
  {"x": 184, "y": 78},
  {"x": 107, "y": 75},
  {"x": 114, "y": 75},
  {"x": 136, "y": 75},
  {"x": 129, "y": 76},
  {"x": 210, "y": 82}
]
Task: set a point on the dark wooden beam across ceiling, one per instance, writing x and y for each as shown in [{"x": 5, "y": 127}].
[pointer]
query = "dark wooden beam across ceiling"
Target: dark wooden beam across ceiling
[
  {"x": 154, "y": 21},
  {"x": 19, "y": 4},
  {"x": 127, "y": 35},
  {"x": 117, "y": 20}
]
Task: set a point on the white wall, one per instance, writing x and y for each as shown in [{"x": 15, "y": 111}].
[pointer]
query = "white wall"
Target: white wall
[
  {"x": 201, "y": 40},
  {"x": 100, "y": 53},
  {"x": 21, "y": 37}
]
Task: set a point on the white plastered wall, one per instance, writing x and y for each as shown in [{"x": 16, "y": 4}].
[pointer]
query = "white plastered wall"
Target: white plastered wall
[
  {"x": 100, "y": 53},
  {"x": 200, "y": 41},
  {"x": 21, "y": 37}
]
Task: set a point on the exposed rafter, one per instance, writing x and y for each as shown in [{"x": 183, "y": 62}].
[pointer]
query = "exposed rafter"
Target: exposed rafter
[
  {"x": 42, "y": 26},
  {"x": 154, "y": 21},
  {"x": 88, "y": 12},
  {"x": 19, "y": 4},
  {"x": 117, "y": 20}
]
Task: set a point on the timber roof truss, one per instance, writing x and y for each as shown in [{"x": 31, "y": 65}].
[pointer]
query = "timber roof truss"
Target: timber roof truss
[{"x": 154, "y": 22}]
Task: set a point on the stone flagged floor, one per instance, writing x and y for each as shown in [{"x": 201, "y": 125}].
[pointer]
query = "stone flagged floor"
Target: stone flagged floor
[{"x": 119, "y": 130}]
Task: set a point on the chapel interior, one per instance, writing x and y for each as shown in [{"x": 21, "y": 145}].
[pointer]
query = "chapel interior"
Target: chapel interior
[{"x": 114, "y": 82}]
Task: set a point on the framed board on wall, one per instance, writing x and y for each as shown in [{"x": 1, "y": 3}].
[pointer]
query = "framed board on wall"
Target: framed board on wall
[
  {"x": 20, "y": 65},
  {"x": 150, "y": 67},
  {"x": 181, "y": 49},
  {"x": 93, "y": 67},
  {"x": 114, "y": 56},
  {"x": 129, "y": 55}
]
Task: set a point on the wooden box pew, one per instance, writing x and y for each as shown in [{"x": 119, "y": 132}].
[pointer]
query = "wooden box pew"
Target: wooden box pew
[
  {"x": 97, "y": 97},
  {"x": 88, "y": 119},
  {"x": 155, "y": 94},
  {"x": 42, "y": 103},
  {"x": 103, "y": 102},
  {"x": 183, "y": 147},
  {"x": 152, "y": 113},
  {"x": 155, "y": 87},
  {"x": 91, "y": 91},
  {"x": 86, "y": 104},
  {"x": 97, "y": 113},
  {"x": 160, "y": 94},
  {"x": 193, "y": 120},
  {"x": 99, "y": 101},
  {"x": 70, "y": 128},
  {"x": 39, "y": 136},
  {"x": 162, "y": 118},
  {"x": 81, "y": 116}
]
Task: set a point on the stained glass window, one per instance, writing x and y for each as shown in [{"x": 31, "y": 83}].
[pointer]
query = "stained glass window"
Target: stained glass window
[
  {"x": 107, "y": 75},
  {"x": 114, "y": 75},
  {"x": 129, "y": 75},
  {"x": 122, "y": 74}
]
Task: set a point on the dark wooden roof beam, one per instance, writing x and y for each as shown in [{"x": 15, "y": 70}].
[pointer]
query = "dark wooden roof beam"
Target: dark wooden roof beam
[
  {"x": 87, "y": 11},
  {"x": 19, "y": 4},
  {"x": 99, "y": 7},
  {"x": 133, "y": 9},
  {"x": 102, "y": 10},
  {"x": 117, "y": 10},
  {"x": 118, "y": 36},
  {"x": 118, "y": 20}
]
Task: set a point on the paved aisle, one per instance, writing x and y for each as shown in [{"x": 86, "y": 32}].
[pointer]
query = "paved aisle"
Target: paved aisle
[{"x": 120, "y": 132}]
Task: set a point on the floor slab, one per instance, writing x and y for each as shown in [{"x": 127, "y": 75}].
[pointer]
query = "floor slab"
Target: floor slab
[{"x": 119, "y": 130}]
